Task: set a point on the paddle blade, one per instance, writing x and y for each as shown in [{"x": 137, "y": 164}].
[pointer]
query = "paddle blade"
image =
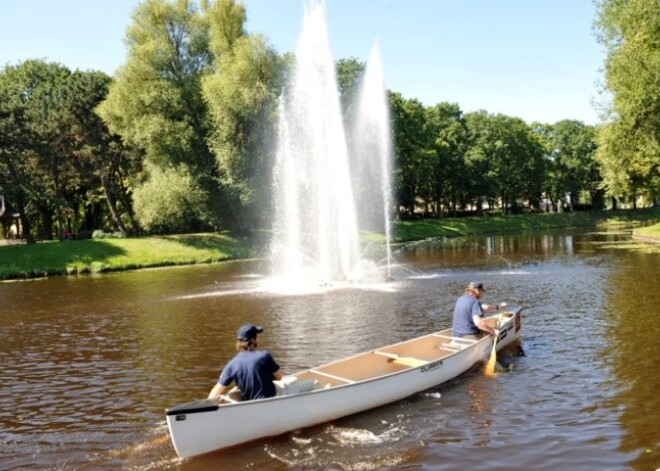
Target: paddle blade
[{"x": 492, "y": 361}]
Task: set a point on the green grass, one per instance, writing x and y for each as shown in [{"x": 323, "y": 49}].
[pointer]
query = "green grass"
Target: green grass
[
  {"x": 105, "y": 255},
  {"x": 450, "y": 227},
  {"x": 650, "y": 233},
  {"x": 653, "y": 230}
]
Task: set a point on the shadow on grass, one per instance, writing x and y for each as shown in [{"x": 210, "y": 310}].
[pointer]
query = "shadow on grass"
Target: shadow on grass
[
  {"x": 54, "y": 258},
  {"x": 221, "y": 242}
]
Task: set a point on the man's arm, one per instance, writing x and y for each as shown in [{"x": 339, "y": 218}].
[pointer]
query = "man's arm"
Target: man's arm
[
  {"x": 277, "y": 375},
  {"x": 481, "y": 325},
  {"x": 216, "y": 391}
]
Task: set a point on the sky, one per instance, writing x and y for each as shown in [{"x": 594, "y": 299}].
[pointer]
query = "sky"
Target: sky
[{"x": 533, "y": 59}]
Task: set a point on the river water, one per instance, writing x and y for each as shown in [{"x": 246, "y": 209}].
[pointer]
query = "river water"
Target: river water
[{"x": 88, "y": 364}]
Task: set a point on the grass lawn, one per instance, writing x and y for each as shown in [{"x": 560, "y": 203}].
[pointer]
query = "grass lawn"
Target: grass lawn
[
  {"x": 103, "y": 255},
  {"x": 425, "y": 228},
  {"x": 650, "y": 233}
]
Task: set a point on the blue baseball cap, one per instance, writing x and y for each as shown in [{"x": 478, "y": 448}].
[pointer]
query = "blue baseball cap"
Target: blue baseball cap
[
  {"x": 475, "y": 285},
  {"x": 248, "y": 331}
]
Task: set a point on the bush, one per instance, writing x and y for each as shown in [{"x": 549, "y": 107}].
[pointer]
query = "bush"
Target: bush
[{"x": 99, "y": 234}]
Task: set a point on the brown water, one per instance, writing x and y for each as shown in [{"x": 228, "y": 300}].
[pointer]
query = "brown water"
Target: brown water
[{"x": 89, "y": 364}]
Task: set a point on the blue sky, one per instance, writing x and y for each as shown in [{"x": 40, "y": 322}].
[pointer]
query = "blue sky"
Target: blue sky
[{"x": 533, "y": 59}]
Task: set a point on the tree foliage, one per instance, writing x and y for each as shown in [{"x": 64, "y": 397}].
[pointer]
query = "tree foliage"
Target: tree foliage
[
  {"x": 156, "y": 102},
  {"x": 55, "y": 151},
  {"x": 241, "y": 95},
  {"x": 412, "y": 155},
  {"x": 629, "y": 144},
  {"x": 181, "y": 138},
  {"x": 572, "y": 167},
  {"x": 195, "y": 92},
  {"x": 504, "y": 160},
  {"x": 169, "y": 201}
]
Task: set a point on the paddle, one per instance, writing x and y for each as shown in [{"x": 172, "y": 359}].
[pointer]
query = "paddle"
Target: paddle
[{"x": 492, "y": 361}]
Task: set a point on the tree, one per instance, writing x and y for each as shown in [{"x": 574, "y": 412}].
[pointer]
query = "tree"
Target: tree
[
  {"x": 36, "y": 169},
  {"x": 412, "y": 156},
  {"x": 629, "y": 144},
  {"x": 14, "y": 153},
  {"x": 56, "y": 150},
  {"x": 241, "y": 94},
  {"x": 195, "y": 96},
  {"x": 572, "y": 163},
  {"x": 174, "y": 209},
  {"x": 100, "y": 156},
  {"x": 349, "y": 77},
  {"x": 504, "y": 160},
  {"x": 449, "y": 140},
  {"x": 156, "y": 102}
]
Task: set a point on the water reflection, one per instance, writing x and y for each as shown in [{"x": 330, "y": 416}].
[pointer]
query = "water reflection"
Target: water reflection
[
  {"x": 90, "y": 363},
  {"x": 633, "y": 352}
]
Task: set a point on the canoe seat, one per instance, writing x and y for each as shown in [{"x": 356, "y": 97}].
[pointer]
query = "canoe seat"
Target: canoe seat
[
  {"x": 406, "y": 361},
  {"x": 331, "y": 376},
  {"x": 455, "y": 340},
  {"x": 451, "y": 346},
  {"x": 290, "y": 385}
]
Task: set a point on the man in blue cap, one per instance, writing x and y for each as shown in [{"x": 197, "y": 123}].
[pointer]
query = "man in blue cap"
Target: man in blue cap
[
  {"x": 252, "y": 370},
  {"x": 469, "y": 313}
]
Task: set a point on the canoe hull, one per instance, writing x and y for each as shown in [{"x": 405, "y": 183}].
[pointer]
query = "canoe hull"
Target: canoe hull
[{"x": 204, "y": 426}]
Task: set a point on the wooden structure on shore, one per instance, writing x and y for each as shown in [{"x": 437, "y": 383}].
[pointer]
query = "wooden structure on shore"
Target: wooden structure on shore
[{"x": 9, "y": 216}]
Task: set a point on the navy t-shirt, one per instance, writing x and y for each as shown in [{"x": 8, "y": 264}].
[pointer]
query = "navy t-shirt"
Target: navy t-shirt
[
  {"x": 252, "y": 371},
  {"x": 466, "y": 307}
]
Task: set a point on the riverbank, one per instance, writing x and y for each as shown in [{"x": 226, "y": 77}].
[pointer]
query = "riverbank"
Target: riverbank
[
  {"x": 647, "y": 234},
  {"x": 106, "y": 255}
]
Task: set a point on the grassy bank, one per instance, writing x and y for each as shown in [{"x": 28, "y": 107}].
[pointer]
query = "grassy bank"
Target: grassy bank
[
  {"x": 648, "y": 233},
  {"x": 104, "y": 255},
  {"x": 422, "y": 229}
]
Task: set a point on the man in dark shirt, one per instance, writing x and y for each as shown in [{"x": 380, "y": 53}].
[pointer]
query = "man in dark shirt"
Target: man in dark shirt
[
  {"x": 252, "y": 370},
  {"x": 469, "y": 313}
]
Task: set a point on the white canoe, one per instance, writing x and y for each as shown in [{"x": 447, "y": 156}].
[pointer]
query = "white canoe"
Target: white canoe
[{"x": 334, "y": 390}]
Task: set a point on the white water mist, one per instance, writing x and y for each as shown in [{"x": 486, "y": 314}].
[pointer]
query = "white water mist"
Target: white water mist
[{"x": 316, "y": 230}]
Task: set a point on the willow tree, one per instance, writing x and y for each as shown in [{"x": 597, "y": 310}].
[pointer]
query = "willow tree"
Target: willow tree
[
  {"x": 193, "y": 96},
  {"x": 629, "y": 144},
  {"x": 241, "y": 93}
]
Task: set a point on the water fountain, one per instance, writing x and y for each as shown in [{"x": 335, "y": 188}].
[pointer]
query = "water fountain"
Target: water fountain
[
  {"x": 372, "y": 151},
  {"x": 325, "y": 189}
]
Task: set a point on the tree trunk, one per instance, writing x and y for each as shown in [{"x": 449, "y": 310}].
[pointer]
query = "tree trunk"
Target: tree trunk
[
  {"x": 128, "y": 207},
  {"x": 46, "y": 223},
  {"x": 26, "y": 230},
  {"x": 113, "y": 208},
  {"x": 597, "y": 199}
]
